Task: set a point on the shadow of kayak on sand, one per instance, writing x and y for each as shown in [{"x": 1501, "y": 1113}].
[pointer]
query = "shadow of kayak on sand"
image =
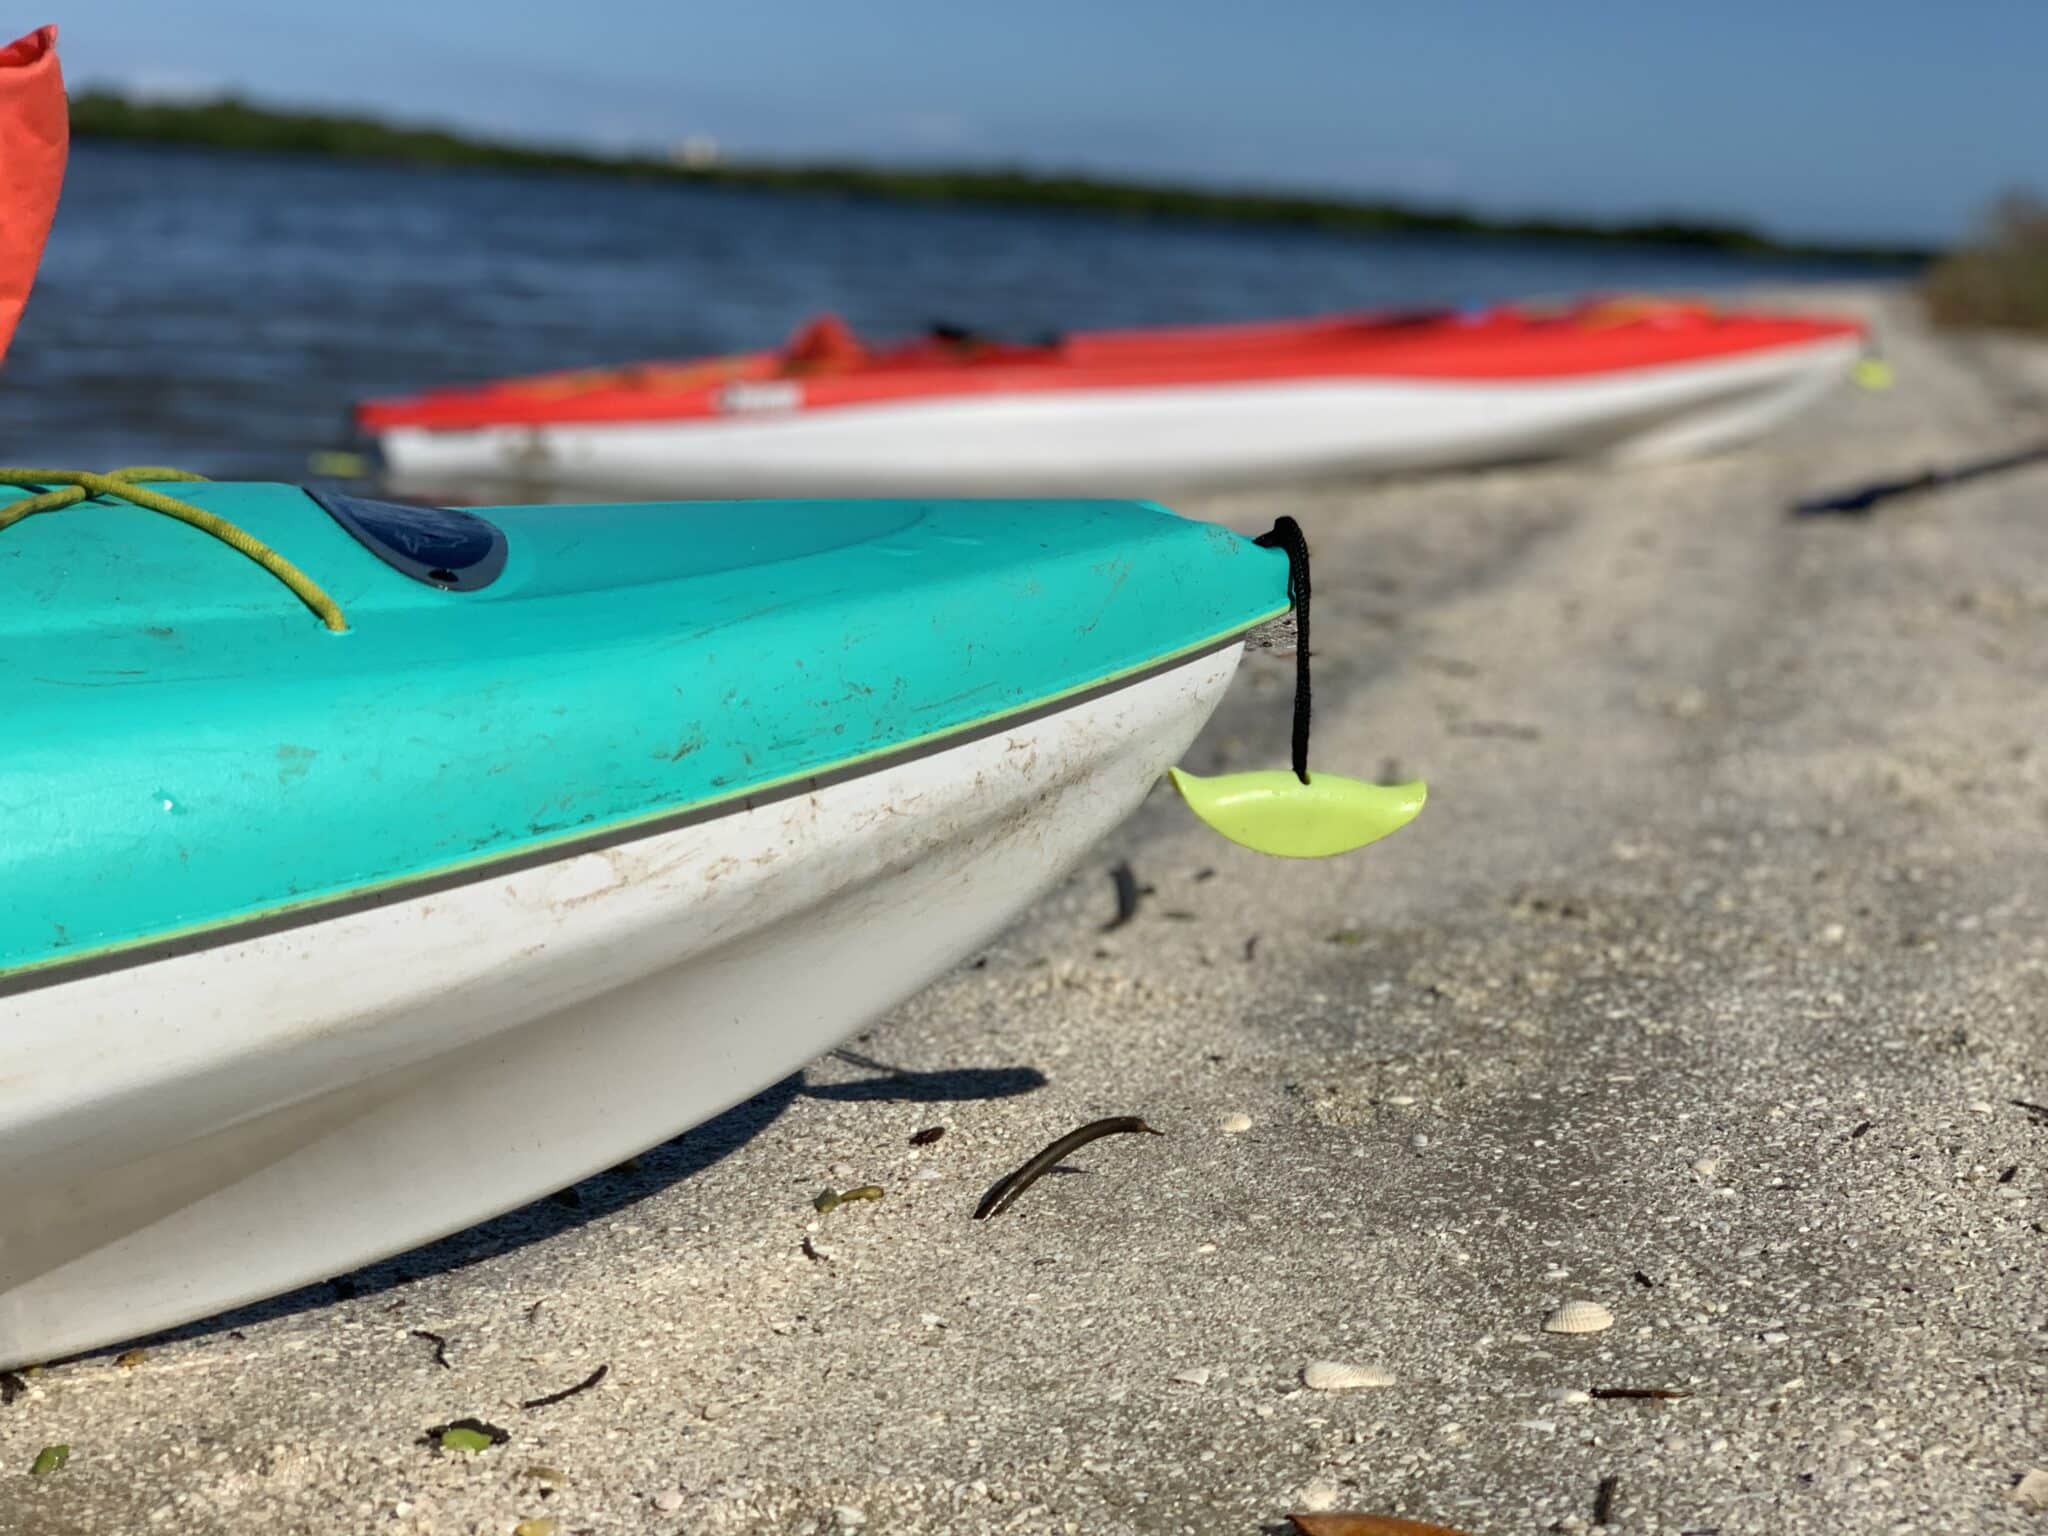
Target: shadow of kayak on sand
[{"x": 617, "y": 1188}]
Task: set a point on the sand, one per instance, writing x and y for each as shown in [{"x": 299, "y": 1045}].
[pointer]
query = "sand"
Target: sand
[{"x": 1703, "y": 990}]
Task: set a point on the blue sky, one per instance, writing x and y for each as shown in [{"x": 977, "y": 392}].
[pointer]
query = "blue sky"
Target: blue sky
[{"x": 1887, "y": 119}]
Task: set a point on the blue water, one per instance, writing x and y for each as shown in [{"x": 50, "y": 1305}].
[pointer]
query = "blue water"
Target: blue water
[{"x": 220, "y": 312}]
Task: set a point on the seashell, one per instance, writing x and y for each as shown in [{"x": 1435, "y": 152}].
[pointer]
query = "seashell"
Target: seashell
[
  {"x": 1319, "y": 1496},
  {"x": 1579, "y": 1317},
  {"x": 1233, "y": 1124},
  {"x": 1707, "y": 1167},
  {"x": 1337, "y": 1376},
  {"x": 1198, "y": 1377}
]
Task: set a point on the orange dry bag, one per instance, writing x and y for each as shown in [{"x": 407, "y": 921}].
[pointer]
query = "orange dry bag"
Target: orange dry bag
[{"x": 34, "y": 132}]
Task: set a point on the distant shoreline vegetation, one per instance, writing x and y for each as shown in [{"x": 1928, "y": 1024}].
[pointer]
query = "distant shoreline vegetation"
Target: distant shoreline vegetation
[
  {"x": 1999, "y": 279},
  {"x": 230, "y": 123}
]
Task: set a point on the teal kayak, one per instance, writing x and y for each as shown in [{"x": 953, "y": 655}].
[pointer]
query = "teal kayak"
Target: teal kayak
[
  {"x": 190, "y": 750},
  {"x": 395, "y": 866}
]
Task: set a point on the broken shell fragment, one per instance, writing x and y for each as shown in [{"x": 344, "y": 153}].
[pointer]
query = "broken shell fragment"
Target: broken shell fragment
[
  {"x": 1319, "y": 1496},
  {"x": 1579, "y": 1317},
  {"x": 1337, "y": 1376},
  {"x": 2031, "y": 1491}
]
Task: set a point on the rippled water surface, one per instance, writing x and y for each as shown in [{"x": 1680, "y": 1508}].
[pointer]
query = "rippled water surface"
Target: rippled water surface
[{"x": 220, "y": 312}]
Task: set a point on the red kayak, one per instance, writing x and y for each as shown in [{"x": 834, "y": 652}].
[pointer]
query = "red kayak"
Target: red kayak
[{"x": 1139, "y": 410}]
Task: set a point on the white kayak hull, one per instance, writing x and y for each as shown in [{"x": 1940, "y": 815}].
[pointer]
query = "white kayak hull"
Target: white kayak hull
[
  {"x": 225, "y": 1123},
  {"x": 1145, "y": 441}
]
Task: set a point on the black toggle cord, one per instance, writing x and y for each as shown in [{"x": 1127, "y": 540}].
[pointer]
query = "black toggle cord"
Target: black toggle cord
[{"x": 1286, "y": 534}]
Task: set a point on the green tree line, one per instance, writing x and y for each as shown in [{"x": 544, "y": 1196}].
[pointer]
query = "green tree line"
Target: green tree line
[{"x": 230, "y": 123}]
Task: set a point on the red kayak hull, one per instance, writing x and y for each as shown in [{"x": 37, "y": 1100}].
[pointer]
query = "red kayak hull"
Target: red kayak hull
[{"x": 1505, "y": 344}]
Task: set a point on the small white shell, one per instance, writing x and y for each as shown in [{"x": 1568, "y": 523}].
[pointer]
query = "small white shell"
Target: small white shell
[
  {"x": 1319, "y": 1495},
  {"x": 1337, "y": 1376},
  {"x": 2031, "y": 1492},
  {"x": 1579, "y": 1317},
  {"x": 1198, "y": 1377},
  {"x": 1235, "y": 1124}
]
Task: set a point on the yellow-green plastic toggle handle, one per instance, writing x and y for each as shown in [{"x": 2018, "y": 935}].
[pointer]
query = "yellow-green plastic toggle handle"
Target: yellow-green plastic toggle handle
[{"x": 1274, "y": 812}]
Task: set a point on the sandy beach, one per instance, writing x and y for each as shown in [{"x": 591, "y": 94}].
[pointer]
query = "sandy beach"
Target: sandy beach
[{"x": 1712, "y": 987}]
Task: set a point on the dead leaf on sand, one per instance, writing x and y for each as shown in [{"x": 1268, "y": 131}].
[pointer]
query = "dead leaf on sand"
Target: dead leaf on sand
[{"x": 1367, "y": 1525}]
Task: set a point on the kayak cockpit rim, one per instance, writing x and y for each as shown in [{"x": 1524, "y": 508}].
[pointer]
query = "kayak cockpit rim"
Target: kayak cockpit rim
[{"x": 124, "y": 954}]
